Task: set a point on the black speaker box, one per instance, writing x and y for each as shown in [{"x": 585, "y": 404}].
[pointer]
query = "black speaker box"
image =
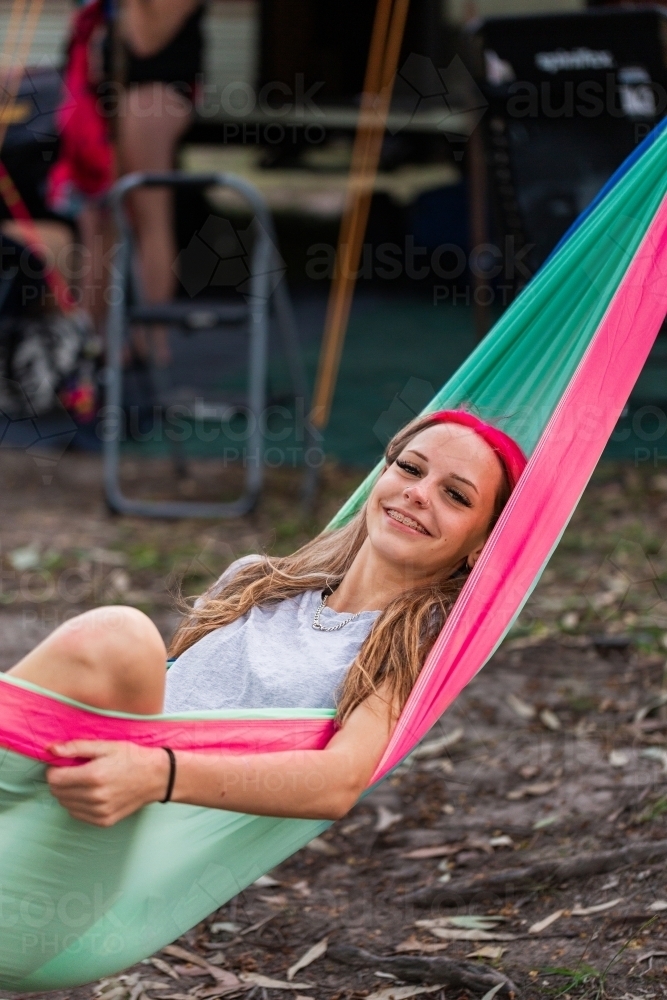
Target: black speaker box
[{"x": 570, "y": 96}]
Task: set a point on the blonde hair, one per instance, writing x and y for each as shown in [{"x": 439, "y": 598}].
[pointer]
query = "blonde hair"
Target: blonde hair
[{"x": 401, "y": 636}]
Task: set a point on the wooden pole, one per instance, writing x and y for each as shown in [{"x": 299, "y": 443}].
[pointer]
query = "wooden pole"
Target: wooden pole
[
  {"x": 16, "y": 60},
  {"x": 384, "y": 53}
]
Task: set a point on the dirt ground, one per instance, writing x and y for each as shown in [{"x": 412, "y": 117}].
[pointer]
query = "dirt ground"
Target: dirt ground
[{"x": 541, "y": 794}]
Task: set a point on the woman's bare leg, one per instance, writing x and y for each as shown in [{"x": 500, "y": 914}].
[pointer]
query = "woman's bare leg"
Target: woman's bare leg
[
  {"x": 153, "y": 118},
  {"x": 112, "y": 658}
]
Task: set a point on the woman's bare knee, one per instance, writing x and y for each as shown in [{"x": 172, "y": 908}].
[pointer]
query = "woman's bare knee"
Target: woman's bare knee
[
  {"x": 126, "y": 651},
  {"x": 110, "y": 657}
]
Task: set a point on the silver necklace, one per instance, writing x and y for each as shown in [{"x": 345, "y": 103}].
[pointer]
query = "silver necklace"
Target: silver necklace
[{"x": 329, "y": 628}]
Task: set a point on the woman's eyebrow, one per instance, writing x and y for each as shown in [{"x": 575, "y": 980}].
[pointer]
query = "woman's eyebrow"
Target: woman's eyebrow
[{"x": 462, "y": 480}]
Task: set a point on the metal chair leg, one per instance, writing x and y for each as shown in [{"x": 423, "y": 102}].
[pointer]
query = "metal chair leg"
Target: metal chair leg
[{"x": 259, "y": 297}]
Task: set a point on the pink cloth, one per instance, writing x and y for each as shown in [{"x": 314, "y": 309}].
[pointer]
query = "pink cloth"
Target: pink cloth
[
  {"x": 30, "y": 722},
  {"x": 547, "y": 493}
]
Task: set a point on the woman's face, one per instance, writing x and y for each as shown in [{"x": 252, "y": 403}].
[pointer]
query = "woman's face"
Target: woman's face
[{"x": 430, "y": 510}]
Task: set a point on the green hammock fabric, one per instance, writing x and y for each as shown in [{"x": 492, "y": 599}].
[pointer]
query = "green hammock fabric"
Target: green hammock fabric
[{"x": 77, "y": 902}]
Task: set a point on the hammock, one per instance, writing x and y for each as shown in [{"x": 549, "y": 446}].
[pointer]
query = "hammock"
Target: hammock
[{"x": 79, "y": 902}]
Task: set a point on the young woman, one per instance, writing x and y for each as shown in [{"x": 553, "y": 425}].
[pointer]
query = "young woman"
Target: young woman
[{"x": 345, "y": 622}]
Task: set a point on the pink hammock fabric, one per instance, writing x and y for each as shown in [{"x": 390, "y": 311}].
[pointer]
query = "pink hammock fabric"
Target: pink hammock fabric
[
  {"x": 548, "y": 490},
  {"x": 32, "y": 721}
]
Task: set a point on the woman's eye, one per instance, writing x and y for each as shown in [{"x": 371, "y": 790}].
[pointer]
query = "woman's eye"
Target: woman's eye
[
  {"x": 459, "y": 497},
  {"x": 408, "y": 467}
]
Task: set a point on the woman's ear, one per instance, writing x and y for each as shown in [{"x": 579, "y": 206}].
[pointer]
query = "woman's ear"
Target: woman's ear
[{"x": 474, "y": 556}]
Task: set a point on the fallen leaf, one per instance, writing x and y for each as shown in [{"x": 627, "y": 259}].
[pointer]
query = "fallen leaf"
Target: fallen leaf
[
  {"x": 437, "y": 851},
  {"x": 190, "y": 970},
  {"x": 539, "y": 788},
  {"x": 225, "y": 925},
  {"x": 478, "y": 843},
  {"x": 385, "y": 819},
  {"x": 402, "y": 992},
  {"x": 256, "y": 927},
  {"x": 619, "y": 758},
  {"x": 658, "y": 905},
  {"x": 308, "y": 958},
  {"x": 24, "y": 558},
  {"x": 540, "y": 824},
  {"x": 490, "y": 994},
  {"x": 301, "y": 887},
  {"x": 214, "y": 992},
  {"x": 454, "y": 934},
  {"x": 521, "y": 708},
  {"x": 433, "y": 748},
  {"x": 477, "y": 922},
  {"x": 585, "y": 911},
  {"x": 492, "y": 951},
  {"x": 163, "y": 967},
  {"x": 223, "y": 977},
  {"x": 529, "y": 771},
  {"x": 504, "y": 840},
  {"x": 321, "y": 846},
  {"x": 542, "y": 925},
  {"x": 266, "y": 882},
  {"x": 413, "y": 944},
  {"x": 272, "y": 984},
  {"x": 550, "y": 720},
  {"x": 655, "y": 753},
  {"x": 651, "y": 706}
]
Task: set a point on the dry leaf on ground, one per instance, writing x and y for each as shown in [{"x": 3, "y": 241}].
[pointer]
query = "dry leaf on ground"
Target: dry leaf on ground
[
  {"x": 437, "y": 851},
  {"x": 539, "y": 788},
  {"x": 163, "y": 966},
  {"x": 310, "y": 956},
  {"x": 491, "y": 951},
  {"x": 585, "y": 911},
  {"x": 413, "y": 944},
  {"x": 433, "y": 748},
  {"x": 272, "y": 984},
  {"x": 386, "y": 818},
  {"x": 402, "y": 992},
  {"x": 542, "y": 925}
]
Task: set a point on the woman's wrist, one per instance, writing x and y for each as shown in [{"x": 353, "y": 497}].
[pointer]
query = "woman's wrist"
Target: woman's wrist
[{"x": 158, "y": 775}]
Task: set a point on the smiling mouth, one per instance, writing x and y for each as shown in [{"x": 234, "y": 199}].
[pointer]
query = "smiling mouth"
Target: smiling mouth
[{"x": 407, "y": 521}]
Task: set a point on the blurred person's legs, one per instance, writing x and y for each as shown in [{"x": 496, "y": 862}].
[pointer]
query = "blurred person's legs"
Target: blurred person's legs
[
  {"x": 152, "y": 119},
  {"x": 97, "y": 237}
]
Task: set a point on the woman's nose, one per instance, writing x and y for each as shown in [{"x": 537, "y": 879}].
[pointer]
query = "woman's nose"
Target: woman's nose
[{"x": 418, "y": 494}]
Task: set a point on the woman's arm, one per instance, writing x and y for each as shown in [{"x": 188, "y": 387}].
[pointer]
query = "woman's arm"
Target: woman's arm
[
  {"x": 307, "y": 784},
  {"x": 149, "y": 25}
]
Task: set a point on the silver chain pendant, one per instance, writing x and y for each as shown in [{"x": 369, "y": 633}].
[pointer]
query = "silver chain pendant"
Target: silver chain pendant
[{"x": 329, "y": 628}]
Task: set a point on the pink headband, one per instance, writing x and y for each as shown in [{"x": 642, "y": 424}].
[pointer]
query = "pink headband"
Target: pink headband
[{"x": 513, "y": 459}]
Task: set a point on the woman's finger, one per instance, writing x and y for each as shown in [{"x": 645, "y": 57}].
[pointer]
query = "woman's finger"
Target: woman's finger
[{"x": 82, "y": 748}]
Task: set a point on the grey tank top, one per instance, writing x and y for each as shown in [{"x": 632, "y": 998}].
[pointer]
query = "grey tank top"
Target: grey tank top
[{"x": 272, "y": 657}]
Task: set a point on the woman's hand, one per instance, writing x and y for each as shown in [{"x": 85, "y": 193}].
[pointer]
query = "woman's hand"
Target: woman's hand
[{"x": 118, "y": 779}]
